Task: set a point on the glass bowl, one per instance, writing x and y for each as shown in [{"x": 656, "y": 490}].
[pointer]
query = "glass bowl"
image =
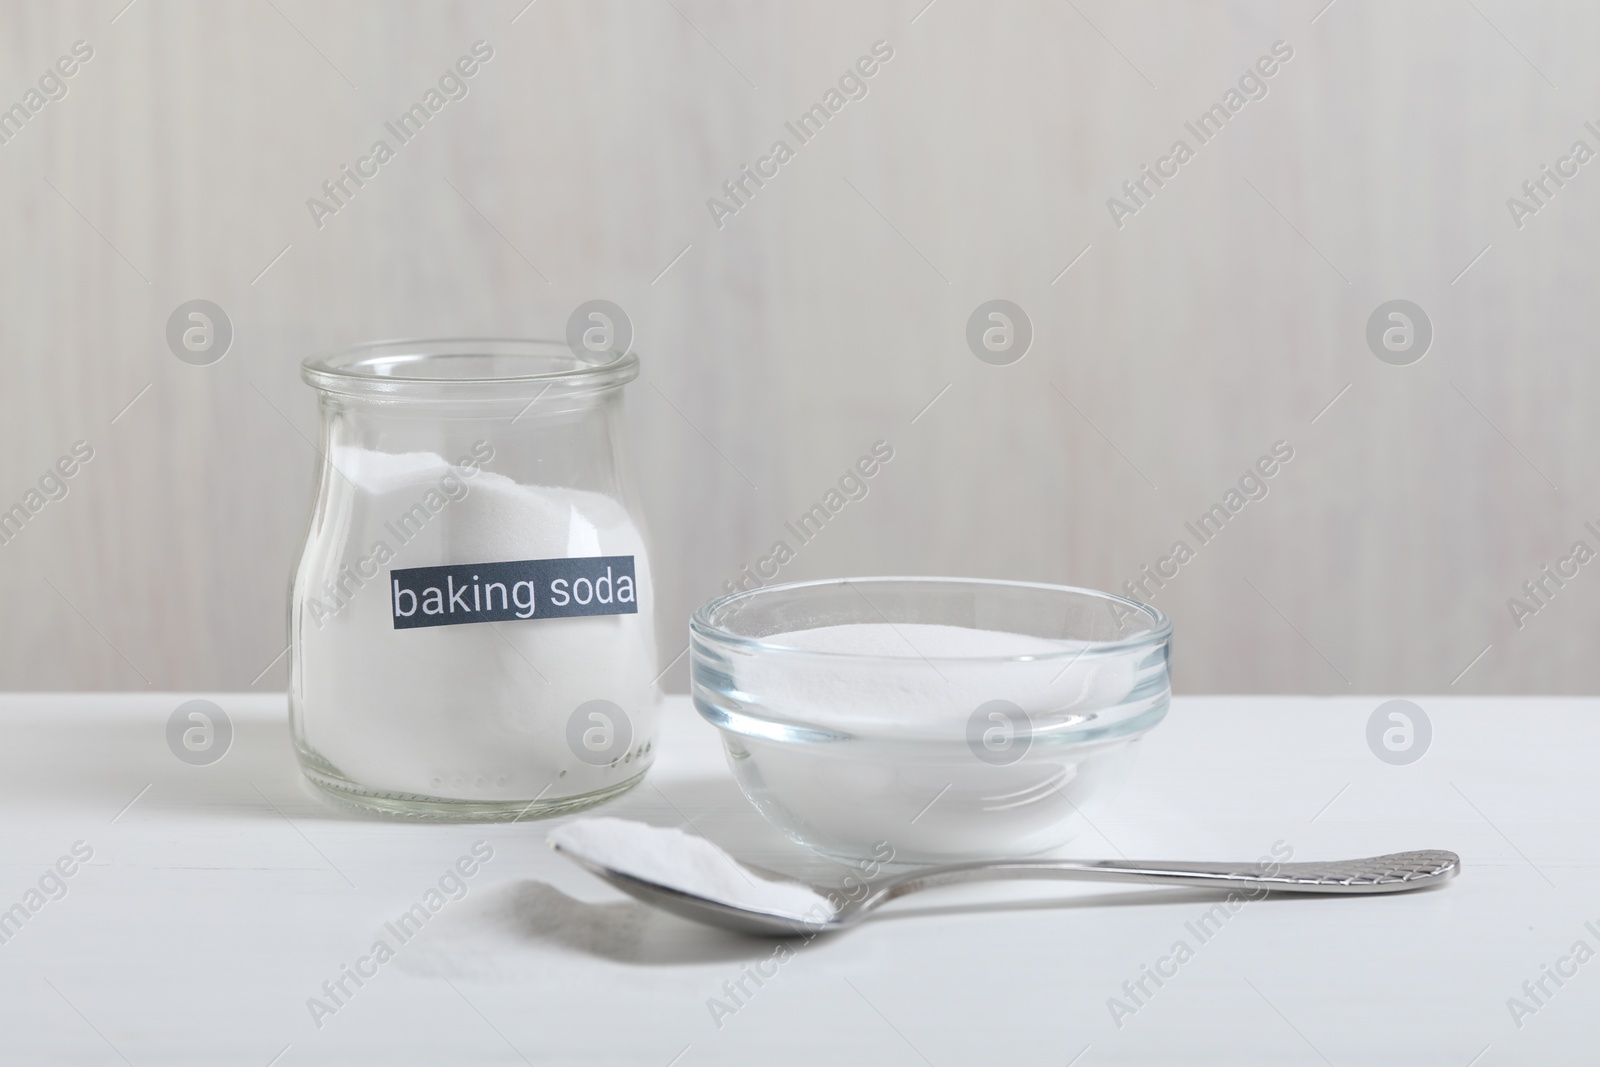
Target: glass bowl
[{"x": 929, "y": 719}]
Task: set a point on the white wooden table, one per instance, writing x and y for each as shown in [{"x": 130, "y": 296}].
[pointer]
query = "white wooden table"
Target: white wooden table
[{"x": 220, "y": 900}]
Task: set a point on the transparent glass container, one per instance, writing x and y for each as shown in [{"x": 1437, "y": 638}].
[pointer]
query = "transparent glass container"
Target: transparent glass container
[
  {"x": 929, "y": 743},
  {"x": 471, "y": 620}
]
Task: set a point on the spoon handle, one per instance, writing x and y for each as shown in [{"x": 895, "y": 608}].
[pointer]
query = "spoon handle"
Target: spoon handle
[{"x": 1374, "y": 874}]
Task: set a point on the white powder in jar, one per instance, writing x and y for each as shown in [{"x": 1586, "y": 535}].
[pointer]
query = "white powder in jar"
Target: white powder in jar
[
  {"x": 477, "y": 711},
  {"x": 669, "y": 857}
]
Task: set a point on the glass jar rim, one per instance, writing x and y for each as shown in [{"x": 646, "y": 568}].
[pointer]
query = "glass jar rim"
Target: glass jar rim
[{"x": 466, "y": 368}]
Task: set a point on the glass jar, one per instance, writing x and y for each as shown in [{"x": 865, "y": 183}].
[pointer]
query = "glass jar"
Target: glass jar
[{"x": 471, "y": 621}]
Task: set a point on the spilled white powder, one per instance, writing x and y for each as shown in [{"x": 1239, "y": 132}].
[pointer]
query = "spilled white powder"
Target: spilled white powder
[
  {"x": 667, "y": 856},
  {"x": 476, "y": 711}
]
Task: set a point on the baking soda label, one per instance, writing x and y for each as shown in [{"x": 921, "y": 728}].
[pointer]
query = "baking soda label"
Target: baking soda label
[{"x": 506, "y": 592}]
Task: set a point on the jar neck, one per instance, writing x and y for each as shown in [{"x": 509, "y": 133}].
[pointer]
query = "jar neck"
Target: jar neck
[
  {"x": 569, "y": 442},
  {"x": 513, "y": 405},
  {"x": 537, "y": 412}
]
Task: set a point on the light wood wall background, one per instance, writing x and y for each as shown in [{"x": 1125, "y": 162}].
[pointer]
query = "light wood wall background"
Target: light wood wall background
[{"x": 827, "y": 314}]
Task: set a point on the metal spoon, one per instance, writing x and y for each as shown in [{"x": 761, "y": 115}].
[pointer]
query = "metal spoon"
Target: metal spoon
[{"x": 1393, "y": 873}]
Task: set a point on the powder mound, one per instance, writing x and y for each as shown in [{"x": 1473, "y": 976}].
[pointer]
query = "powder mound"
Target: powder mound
[
  {"x": 383, "y": 472},
  {"x": 924, "y": 680},
  {"x": 916, "y": 639},
  {"x": 667, "y": 856}
]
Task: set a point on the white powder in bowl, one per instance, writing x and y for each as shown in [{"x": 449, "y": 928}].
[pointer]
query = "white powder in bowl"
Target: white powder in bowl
[
  {"x": 479, "y": 711},
  {"x": 911, "y": 705},
  {"x": 926, "y": 678},
  {"x": 669, "y": 857},
  {"x": 916, "y": 640}
]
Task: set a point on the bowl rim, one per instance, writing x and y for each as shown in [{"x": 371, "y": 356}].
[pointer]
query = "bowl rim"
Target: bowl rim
[{"x": 702, "y": 626}]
